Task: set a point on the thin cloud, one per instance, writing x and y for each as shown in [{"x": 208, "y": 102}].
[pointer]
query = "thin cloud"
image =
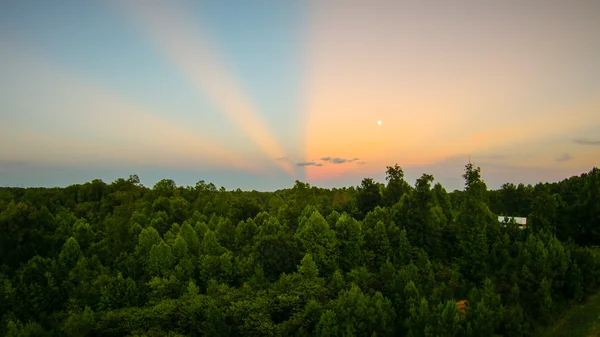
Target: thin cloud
[
  {"x": 585, "y": 141},
  {"x": 281, "y": 159},
  {"x": 565, "y": 157},
  {"x": 309, "y": 163},
  {"x": 338, "y": 160}
]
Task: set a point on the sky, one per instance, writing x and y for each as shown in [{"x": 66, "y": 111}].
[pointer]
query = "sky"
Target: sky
[{"x": 258, "y": 94}]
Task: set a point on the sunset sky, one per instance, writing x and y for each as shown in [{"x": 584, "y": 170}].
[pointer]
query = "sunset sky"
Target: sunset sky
[{"x": 258, "y": 94}]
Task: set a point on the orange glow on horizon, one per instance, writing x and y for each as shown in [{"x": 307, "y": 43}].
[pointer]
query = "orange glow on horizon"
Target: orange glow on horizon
[{"x": 365, "y": 65}]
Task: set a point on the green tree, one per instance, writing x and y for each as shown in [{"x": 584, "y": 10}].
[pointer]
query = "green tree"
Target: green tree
[
  {"x": 328, "y": 326},
  {"x": 244, "y": 235},
  {"x": 487, "y": 311},
  {"x": 396, "y": 185},
  {"x": 211, "y": 245},
  {"x": 160, "y": 260},
  {"x": 275, "y": 249},
  {"x": 403, "y": 249},
  {"x": 319, "y": 240},
  {"x": 119, "y": 293},
  {"x": 31, "y": 329},
  {"x": 448, "y": 321},
  {"x": 83, "y": 233},
  {"x": 163, "y": 288},
  {"x": 147, "y": 238},
  {"x": 308, "y": 268},
  {"x": 420, "y": 214},
  {"x": 337, "y": 282},
  {"x": 69, "y": 254},
  {"x": 418, "y": 321},
  {"x": 179, "y": 248},
  {"x": 544, "y": 212},
  {"x": 473, "y": 218},
  {"x": 360, "y": 314},
  {"x": 179, "y": 209},
  {"x": 226, "y": 233},
  {"x": 191, "y": 238},
  {"x": 80, "y": 323},
  {"x": 165, "y": 188},
  {"x": 368, "y": 197},
  {"x": 350, "y": 240}
]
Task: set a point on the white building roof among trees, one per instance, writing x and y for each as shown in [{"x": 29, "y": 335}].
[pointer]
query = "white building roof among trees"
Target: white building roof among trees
[{"x": 518, "y": 220}]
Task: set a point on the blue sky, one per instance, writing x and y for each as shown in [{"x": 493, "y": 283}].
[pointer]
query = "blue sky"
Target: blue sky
[{"x": 255, "y": 94}]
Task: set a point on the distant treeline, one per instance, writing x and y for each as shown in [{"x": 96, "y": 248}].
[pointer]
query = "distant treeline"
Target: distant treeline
[{"x": 391, "y": 259}]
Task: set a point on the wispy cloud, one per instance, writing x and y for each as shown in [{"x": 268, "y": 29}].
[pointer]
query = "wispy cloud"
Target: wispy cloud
[
  {"x": 586, "y": 141},
  {"x": 565, "y": 157},
  {"x": 281, "y": 159},
  {"x": 309, "y": 163},
  {"x": 338, "y": 160}
]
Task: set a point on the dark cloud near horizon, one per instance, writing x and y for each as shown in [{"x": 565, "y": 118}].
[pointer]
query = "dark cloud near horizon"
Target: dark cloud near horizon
[
  {"x": 586, "y": 141},
  {"x": 565, "y": 157},
  {"x": 338, "y": 160},
  {"x": 309, "y": 163}
]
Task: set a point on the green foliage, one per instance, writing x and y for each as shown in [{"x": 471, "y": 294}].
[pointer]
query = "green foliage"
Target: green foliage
[
  {"x": 160, "y": 260},
  {"x": 31, "y": 329},
  {"x": 473, "y": 219},
  {"x": 373, "y": 260},
  {"x": 362, "y": 314},
  {"x": 83, "y": 234},
  {"x": 308, "y": 269},
  {"x": 396, "y": 186},
  {"x": 191, "y": 238},
  {"x": 225, "y": 231},
  {"x": 119, "y": 293},
  {"x": 162, "y": 288},
  {"x": 180, "y": 248},
  {"x": 244, "y": 235},
  {"x": 146, "y": 240},
  {"x": 350, "y": 240},
  {"x": 337, "y": 282},
  {"x": 80, "y": 323},
  {"x": 369, "y": 196},
  {"x": 319, "y": 240},
  {"x": 69, "y": 254},
  {"x": 328, "y": 326},
  {"x": 211, "y": 245},
  {"x": 448, "y": 321},
  {"x": 275, "y": 249}
]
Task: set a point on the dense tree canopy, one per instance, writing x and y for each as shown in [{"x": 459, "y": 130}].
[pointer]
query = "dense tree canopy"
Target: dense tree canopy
[{"x": 372, "y": 260}]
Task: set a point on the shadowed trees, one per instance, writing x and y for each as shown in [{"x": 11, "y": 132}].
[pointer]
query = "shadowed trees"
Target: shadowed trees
[{"x": 373, "y": 260}]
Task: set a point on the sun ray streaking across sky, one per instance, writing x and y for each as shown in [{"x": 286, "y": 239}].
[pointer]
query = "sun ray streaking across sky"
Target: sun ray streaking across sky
[
  {"x": 182, "y": 40},
  {"x": 249, "y": 92},
  {"x": 73, "y": 121}
]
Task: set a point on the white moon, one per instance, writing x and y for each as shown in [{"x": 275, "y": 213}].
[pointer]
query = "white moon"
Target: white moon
[{"x": 379, "y": 122}]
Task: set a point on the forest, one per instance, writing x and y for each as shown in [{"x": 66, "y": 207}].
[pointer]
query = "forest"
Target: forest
[{"x": 378, "y": 259}]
